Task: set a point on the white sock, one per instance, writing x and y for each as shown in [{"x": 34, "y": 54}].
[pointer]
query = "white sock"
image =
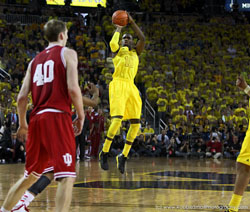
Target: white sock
[
  {"x": 26, "y": 199},
  {"x": 4, "y": 210}
]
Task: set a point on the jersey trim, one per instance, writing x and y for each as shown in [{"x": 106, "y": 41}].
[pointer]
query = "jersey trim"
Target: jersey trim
[
  {"x": 50, "y": 110},
  {"x": 50, "y": 169},
  {"x": 50, "y": 46},
  {"x": 64, "y": 174},
  {"x": 62, "y": 57},
  {"x": 26, "y": 174}
]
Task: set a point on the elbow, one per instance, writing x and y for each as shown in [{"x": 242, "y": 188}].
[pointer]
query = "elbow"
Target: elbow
[
  {"x": 113, "y": 46},
  {"x": 72, "y": 94},
  {"x": 95, "y": 103},
  {"x": 21, "y": 99},
  {"x": 72, "y": 91},
  {"x": 143, "y": 38}
]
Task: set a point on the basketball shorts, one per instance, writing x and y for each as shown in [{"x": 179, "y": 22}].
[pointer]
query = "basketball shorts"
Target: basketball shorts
[
  {"x": 50, "y": 143},
  {"x": 124, "y": 99},
  {"x": 244, "y": 156}
]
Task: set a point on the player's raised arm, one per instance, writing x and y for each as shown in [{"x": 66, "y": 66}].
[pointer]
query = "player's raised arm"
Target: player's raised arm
[
  {"x": 141, "y": 43},
  {"x": 114, "y": 43}
]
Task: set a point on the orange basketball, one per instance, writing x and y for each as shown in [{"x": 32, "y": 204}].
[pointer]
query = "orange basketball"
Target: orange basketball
[{"x": 120, "y": 17}]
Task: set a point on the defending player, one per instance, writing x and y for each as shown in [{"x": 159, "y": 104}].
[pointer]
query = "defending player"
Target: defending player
[
  {"x": 52, "y": 78},
  {"x": 47, "y": 177}
]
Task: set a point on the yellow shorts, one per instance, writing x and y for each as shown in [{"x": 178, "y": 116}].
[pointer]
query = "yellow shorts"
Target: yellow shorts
[
  {"x": 244, "y": 156},
  {"x": 124, "y": 99}
]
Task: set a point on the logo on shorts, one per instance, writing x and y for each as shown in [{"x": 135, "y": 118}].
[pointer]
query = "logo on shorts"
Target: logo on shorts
[{"x": 67, "y": 159}]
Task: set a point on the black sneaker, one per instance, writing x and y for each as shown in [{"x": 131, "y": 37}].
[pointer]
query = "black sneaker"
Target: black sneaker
[
  {"x": 223, "y": 207},
  {"x": 121, "y": 159},
  {"x": 103, "y": 160}
]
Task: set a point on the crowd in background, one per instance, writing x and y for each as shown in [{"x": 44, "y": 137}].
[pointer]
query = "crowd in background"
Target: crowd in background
[{"x": 187, "y": 72}]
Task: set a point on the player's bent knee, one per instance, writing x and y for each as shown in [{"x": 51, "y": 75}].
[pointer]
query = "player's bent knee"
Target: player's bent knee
[
  {"x": 116, "y": 121},
  {"x": 133, "y": 130},
  {"x": 40, "y": 185},
  {"x": 49, "y": 175},
  {"x": 28, "y": 181},
  {"x": 115, "y": 125}
]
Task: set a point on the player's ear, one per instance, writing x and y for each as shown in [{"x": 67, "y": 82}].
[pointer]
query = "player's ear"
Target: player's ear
[{"x": 60, "y": 36}]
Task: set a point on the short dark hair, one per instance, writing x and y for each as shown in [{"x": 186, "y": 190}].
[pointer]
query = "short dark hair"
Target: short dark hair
[{"x": 53, "y": 28}]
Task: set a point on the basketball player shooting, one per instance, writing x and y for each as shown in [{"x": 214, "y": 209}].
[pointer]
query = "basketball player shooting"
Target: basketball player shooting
[{"x": 124, "y": 99}]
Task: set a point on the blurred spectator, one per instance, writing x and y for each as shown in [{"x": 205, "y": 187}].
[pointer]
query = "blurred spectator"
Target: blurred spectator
[
  {"x": 163, "y": 142},
  {"x": 184, "y": 150},
  {"x": 117, "y": 145},
  {"x": 81, "y": 139},
  {"x": 174, "y": 145},
  {"x": 199, "y": 148},
  {"x": 12, "y": 118},
  {"x": 96, "y": 132},
  {"x": 143, "y": 123},
  {"x": 11, "y": 149},
  {"x": 17, "y": 149},
  {"x": 214, "y": 148},
  {"x": 148, "y": 131},
  {"x": 162, "y": 106},
  {"x": 1, "y": 116},
  {"x": 232, "y": 150}
]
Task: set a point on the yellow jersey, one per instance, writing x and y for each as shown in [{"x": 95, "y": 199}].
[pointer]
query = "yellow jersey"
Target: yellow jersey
[{"x": 126, "y": 64}]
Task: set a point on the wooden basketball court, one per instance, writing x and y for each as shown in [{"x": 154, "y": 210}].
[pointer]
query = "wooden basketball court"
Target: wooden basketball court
[{"x": 149, "y": 184}]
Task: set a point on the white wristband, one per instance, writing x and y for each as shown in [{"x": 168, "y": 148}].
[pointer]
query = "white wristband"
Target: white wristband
[{"x": 247, "y": 89}]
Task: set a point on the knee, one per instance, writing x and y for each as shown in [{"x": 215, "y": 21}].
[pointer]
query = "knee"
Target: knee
[
  {"x": 243, "y": 169},
  {"x": 115, "y": 124},
  {"x": 49, "y": 175},
  {"x": 66, "y": 181},
  {"x": 116, "y": 121},
  {"x": 133, "y": 130},
  {"x": 40, "y": 185},
  {"x": 30, "y": 180}
]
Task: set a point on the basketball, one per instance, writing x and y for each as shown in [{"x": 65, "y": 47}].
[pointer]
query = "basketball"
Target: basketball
[{"x": 120, "y": 17}]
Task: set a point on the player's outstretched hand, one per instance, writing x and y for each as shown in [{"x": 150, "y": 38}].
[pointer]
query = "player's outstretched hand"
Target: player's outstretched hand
[
  {"x": 22, "y": 133},
  {"x": 93, "y": 89},
  {"x": 77, "y": 126},
  {"x": 130, "y": 19},
  {"x": 241, "y": 82},
  {"x": 118, "y": 26}
]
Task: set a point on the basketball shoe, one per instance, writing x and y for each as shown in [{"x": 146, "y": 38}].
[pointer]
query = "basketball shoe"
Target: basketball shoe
[
  {"x": 21, "y": 208},
  {"x": 103, "y": 159},
  {"x": 121, "y": 160}
]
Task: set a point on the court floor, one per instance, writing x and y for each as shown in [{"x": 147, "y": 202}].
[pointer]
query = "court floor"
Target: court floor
[{"x": 149, "y": 184}]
